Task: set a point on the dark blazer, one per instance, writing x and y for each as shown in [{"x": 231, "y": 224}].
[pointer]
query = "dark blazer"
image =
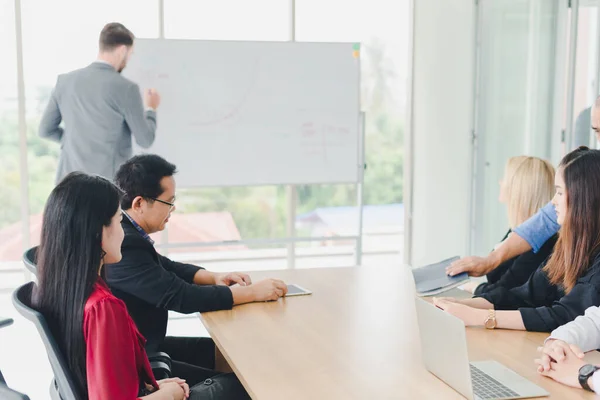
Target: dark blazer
[
  {"x": 544, "y": 306},
  {"x": 151, "y": 284},
  {"x": 517, "y": 271}
]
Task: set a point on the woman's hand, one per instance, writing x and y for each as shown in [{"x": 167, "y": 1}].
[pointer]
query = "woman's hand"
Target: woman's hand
[
  {"x": 469, "y": 315},
  {"x": 474, "y": 266},
  {"x": 176, "y": 386}
]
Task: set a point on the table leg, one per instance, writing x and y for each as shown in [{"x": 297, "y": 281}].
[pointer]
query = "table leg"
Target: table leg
[{"x": 221, "y": 363}]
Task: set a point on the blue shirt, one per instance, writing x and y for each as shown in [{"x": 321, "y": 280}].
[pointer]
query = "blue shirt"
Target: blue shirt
[{"x": 539, "y": 228}]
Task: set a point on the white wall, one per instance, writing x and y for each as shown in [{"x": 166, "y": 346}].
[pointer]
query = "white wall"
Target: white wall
[{"x": 440, "y": 128}]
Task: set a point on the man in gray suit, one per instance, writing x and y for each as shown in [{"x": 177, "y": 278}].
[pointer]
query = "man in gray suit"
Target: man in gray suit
[{"x": 101, "y": 110}]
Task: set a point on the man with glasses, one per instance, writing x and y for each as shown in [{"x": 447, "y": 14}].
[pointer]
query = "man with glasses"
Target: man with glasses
[{"x": 151, "y": 284}]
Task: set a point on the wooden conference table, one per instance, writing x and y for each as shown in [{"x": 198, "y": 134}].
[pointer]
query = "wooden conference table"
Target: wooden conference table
[{"x": 355, "y": 337}]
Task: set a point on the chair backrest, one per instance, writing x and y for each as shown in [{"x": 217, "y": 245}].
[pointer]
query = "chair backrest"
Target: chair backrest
[
  {"x": 7, "y": 393},
  {"x": 30, "y": 260},
  {"x": 62, "y": 375},
  {"x": 3, "y": 323}
]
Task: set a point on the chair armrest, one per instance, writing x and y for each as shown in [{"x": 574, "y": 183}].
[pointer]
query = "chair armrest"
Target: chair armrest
[
  {"x": 161, "y": 365},
  {"x": 160, "y": 356}
]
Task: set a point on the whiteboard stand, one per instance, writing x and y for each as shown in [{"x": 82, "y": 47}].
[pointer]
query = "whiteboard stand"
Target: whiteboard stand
[
  {"x": 292, "y": 196},
  {"x": 359, "y": 189}
]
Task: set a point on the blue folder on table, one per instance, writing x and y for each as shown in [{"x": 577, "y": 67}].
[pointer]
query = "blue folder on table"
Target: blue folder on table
[{"x": 432, "y": 279}]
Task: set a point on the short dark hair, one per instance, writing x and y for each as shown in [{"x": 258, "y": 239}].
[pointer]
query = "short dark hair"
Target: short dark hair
[
  {"x": 141, "y": 176},
  {"x": 114, "y": 35}
]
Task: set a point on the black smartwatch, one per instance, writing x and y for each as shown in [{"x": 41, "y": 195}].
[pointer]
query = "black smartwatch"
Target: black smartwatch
[{"x": 585, "y": 373}]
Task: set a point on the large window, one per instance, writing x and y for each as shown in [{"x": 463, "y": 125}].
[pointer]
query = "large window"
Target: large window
[
  {"x": 586, "y": 75},
  {"x": 250, "y": 213},
  {"x": 227, "y": 19},
  {"x": 56, "y": 42},
  {"x": 227, "y": 214},
  {"x": 516, "y": 99},
  {"x": 62, "y": 35},
  {"x": 9, "y": 136},
  {"x": 382, "y": 29}
]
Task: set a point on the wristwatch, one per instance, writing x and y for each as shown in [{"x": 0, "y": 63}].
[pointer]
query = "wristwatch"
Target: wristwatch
[
  {"x": 585, "y": 373},
  {"x": 490, "y": 321}
]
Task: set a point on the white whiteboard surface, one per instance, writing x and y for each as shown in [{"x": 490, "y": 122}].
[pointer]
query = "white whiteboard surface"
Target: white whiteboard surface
[{"x": 253, "y": 113}]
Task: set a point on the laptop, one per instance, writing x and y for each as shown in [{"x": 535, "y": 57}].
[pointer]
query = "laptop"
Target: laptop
[{"x": 444, "y": 347}]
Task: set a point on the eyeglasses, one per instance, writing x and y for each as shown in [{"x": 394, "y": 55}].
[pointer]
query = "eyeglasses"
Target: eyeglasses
[{"x": 171, "y": 205}]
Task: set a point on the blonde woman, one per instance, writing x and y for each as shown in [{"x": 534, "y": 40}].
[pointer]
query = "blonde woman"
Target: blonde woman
[{"x": 527, "y": 185}]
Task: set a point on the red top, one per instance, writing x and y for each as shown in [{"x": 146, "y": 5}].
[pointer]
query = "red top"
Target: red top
[{"x": 116, "y": 363}]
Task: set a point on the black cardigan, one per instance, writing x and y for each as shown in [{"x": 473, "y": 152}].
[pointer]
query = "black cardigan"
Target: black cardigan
[
  {"x": 543, "y": 306},
  {"x": 517, "y": 271},
  {"x": 151, "y": 284}
]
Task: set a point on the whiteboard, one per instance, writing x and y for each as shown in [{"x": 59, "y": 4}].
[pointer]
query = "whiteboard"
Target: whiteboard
[{"x": 253, "y": 113}]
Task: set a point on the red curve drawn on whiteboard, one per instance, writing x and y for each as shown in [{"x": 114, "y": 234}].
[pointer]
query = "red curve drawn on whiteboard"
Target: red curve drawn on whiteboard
[{"x": 236, "y": 107}]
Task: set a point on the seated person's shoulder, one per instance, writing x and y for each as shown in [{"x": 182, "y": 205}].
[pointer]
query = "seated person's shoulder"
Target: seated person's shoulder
[
  {"x": 592, "y": 274},
  {"x": 132, "y": 237},
  {"x": 137, "y": 256},
  {"x": 106, "y": 314},
  {"x": 102, "y": 300},
  {"x": 595, "y": 264}
]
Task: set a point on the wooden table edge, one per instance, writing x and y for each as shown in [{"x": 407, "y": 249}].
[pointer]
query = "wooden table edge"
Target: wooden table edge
[{"x": 226, "y": 356}]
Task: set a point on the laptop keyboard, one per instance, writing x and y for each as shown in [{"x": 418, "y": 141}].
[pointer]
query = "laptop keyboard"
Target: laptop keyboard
[{"x": 486, "y": 387}]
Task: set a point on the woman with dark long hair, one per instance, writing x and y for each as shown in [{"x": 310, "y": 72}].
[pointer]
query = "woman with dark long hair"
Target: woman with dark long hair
[
  {"x": 569, "y": 282},
  {"x": 104, "y": 351}
]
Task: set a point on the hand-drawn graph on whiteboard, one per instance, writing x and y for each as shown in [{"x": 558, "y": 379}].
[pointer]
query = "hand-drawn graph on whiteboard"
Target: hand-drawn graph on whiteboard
[{"x": 253, "y": 113}]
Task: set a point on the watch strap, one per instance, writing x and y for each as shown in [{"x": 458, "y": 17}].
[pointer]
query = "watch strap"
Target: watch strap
[{"x": 584, "y": 377}]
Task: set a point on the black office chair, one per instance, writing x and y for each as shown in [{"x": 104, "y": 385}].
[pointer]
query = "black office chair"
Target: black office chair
[
  {"x": 63, "y": 383},
  {"x": 159, "y": 361},
  {"x": 7, "y": 393},
  {"x": 30, "y": 260},
  {"x": 161, "y": 365},
  {"x": 3, "y": 323}
]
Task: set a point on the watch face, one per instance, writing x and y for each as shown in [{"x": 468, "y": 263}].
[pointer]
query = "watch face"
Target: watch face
[
  {"x": 587, "y": 369},
  {"x": 490, "y": 323}
]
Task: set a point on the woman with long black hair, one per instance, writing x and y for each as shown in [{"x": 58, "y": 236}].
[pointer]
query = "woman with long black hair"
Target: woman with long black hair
[{"x": 104, "y": 351}]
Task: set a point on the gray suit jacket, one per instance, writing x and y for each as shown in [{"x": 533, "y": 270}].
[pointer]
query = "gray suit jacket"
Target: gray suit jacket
[
  {"x": 583, "y": 127},
  {"x": 101, "y": 110}
]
